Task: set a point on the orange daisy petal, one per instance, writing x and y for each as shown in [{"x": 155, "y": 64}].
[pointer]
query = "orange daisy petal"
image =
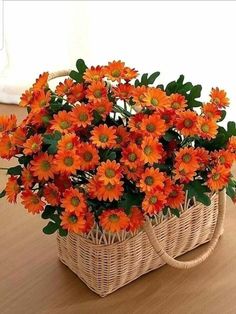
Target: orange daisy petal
[
  {"x": 43, "y": 167},
  {"x": 113, "y": 220},
  {"x": 12, "y": 189},
  {"x": 32, "y": 202}
]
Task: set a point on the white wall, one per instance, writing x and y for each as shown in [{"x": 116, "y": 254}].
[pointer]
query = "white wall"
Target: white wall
[{"x": 193, "y": 38}]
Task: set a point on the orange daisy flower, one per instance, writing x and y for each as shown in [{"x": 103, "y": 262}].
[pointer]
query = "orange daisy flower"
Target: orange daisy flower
[
  {"x": 19, "y": 136},
  {"x": 135, "y": 121},
  {"x": 176, "y": 197},
  {"x": 223, "y": 157},
  {"x": 178, "y": 101},
  {"x": 186, "y": 159},
  {"x": 67, "y": 162},
  {"x": 231, "y": 146},
  {"x": 97, "y": 91},
  {"x": 123, "y": 91},
  {"x": 154, "y": 202},
  {"x": 62, "y": 122},
  {"x": 68, "y": 142},
  {"x": 113, "y": 220},
  {"x": 121, "y": 136},
  {"x": 33, "y": 144},
  {"x": 41, "y": 81},
  {"x": 42, "y": 118},
  {"x": 183, "y": 175},
  {"x": 211, "y": 111},
  {"x": 81, "y": 116},
  {"x": 202, "y": 156},
  {"x": 41, "y": 99},
  {"x": 88, "y": 156},
  {"x": 89, "y": 221},
  {"x": 136, "y": 219},
  {"x": 138, "y": 94},
  {"x": 133, "y": 173},
  {"x": 94, "y": 74},
  {"x": 76, "y": 93},
  {"x": 218, "y": 178},
  {"x": 62, "y": 182},
  {"x": 109, "y": 172},
  {"x": 27, "y": 177},
  {"x": 7, "y": 148},
  {"x": 26, "y": 99},
  {"x": 63, "y": 89},
  {"x": 129, "y": 74},
  {"x": 136, "y": 137},
  {"x": 12, "y": 189},
  {"x": 104, "y": 136},
  {"x": 219, "y": 97},
  {"x": 74, "y": 201},
  {"x": 151, "y": 179},
  {"x": 73, "y": 222},
  {"x": 153, "y": 125},
  {"x": 32, "y": 202},
  {"x": 43, "y": 167},
  {"x": 131, "y": 155},
  {"x": 186, "y": 123},
  {"x": 169, "y": 116},
  {"x": 103, "y": 108},
  {"x": 51, "y": 194},
  {"x": 115, "y": 71},
  {"x": 7, "y": 123},
  {"x": 155, "y": 98},
  {"x": 207, "y": 127},
  {"x": 151, "y": 150}
]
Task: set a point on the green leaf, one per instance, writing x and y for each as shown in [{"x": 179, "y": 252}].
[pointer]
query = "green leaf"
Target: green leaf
[
  {"x": 81, "y": 66},
  {"x": 223, "y": 115},
  {"x": 24, "y": 160},
  {"x": 171, "y": 135},
  {"x": 50, "y": 228},
  {"x": 171, "y": 88},
  {"x": 75, "y": 76},
  {"x": 175, "y": 212},
  {"x": 48, "y": 212},
  {"x": 144, "y": 79},
  {"x": 55, "y": 106},
  {"x": 195, "y": 92},
  {"x": 180, "y": 80},
  {"x": 198, "y": 190},
  {"x": 14, "y": 170},
  {"x": 96, "y": 117},
  {"x": 130, "y": 199},
  {"x": 62, "y": 232},
  {"x": 2, "y": 194},
  {"x": 231, "y": 128},
  {"x": 165, "y": 211},
  {"x": 185, "y": 88},
  {"x": 52, "y": 140},
  {"x": 153, "y": 77},
  {"x": 231, "y": 189}
]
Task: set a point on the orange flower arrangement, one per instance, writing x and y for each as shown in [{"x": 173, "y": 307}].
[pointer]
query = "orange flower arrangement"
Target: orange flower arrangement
[{"x": 87, "y": 159}]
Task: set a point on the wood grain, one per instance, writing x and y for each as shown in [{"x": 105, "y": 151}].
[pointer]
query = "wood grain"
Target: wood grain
[{"x": 32, "y": 280}]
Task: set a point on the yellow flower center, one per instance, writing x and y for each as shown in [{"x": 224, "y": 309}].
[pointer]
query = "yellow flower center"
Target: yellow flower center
[
  {"x": 97, "y": 93},
  {"x": 45, "y": 119},
  {"x": 186, "y": 157},
  {"x": 114, "y": 218},
  {"x": 73, "y": 219},
  {"x": 166, "y": 117},
  {"x": 101, "y": 109},
  {"x": 148, "y": 150},
  {"x": 149, "y": 180},
  {"x": 83, "y": 116},
  {"x": 222, "y": 159},
  {"x": 42, "y": 103},
  {"x": 110, "y": 173},
  {"x": 34, "y": 146},
  {"x": 173, "y": 194},
  {"x": 103, "y": 138},
  {"x": 69, "y": 145},
  {"x": 88, "y": 156},
  {"x": 119, "y": 139},
  {"x": 151, "y": 127},
  {"x": 188, "y": 123},
  {"x": 75, "y": 201},
  {"x": 64, "y": 125},
  {"x": 216, "y": 100},
  {"x": 216, "y": 176},
  {"x": 154, "y": 101},
  {"x": 132, "y": 157},
  {"x": 45, "y": 165},
  {"x": 205, "y": 128},
  {"x": 110, "y": 187},
  {"x": 35, "y": 199},
  {"x": 115, "y": 73},
  {"x": 153, "y": 200},
  {"x": 141, "y": 97},
  {"x": 175, "y": 105},
  {"x": 68, "y": 161}
]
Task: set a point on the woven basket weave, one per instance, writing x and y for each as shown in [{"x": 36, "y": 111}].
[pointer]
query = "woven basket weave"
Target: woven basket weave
[
  {"x": 106, "y": 262},
  {"x": 105, "y": 268}
]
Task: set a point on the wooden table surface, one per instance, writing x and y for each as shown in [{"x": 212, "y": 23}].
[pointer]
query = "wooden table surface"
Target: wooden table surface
[{"x": 32, "y": 280}]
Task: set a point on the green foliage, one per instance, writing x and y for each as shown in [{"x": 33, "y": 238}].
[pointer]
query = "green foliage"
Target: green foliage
[
  {"x": 171, "y": 135},
  {"x": 231, "y": 128},
  {"x": 223, "y": 115},
  {"x": 14, "y": 171},
  {"x": 24, "y": 160},
  {"x": 231, "y": 189},
  {"x": 48, "y": 212},
  {"x": 55, "y": 222},
  {"x": 55, "y": 106},
  {"x": 130, "y": 199},
  {"x": 107, "y": 155},
  {"x": 2, "y": 194},
  {"x": 81, "y": 67},
  {"x": 50, "y": 228},
  {"x": 145, "y": 80},
  {"x": 51, "y": 140},
  {"x": 198, "y": 190},
  {"x": 175, "y": 212}
]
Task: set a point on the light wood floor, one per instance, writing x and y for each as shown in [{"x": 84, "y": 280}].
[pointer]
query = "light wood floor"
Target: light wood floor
[{"x": 32, "y": 280}]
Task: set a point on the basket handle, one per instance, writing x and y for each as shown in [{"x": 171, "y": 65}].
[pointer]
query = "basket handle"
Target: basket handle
[
  {"x": 60, "y": 73},
  {"x": 209, "y": 248}
]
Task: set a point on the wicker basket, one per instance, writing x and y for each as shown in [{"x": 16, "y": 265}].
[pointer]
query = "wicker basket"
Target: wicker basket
[
  {"x": 106, "y": 262},
  {"x": 105, "y": 268}
]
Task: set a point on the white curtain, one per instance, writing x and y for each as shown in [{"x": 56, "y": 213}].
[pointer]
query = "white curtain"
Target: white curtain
[{"x": 174, "y": 37}]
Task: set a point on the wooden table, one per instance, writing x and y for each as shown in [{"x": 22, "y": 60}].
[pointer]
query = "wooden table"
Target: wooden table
[{"x": 32, "y": 280}]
